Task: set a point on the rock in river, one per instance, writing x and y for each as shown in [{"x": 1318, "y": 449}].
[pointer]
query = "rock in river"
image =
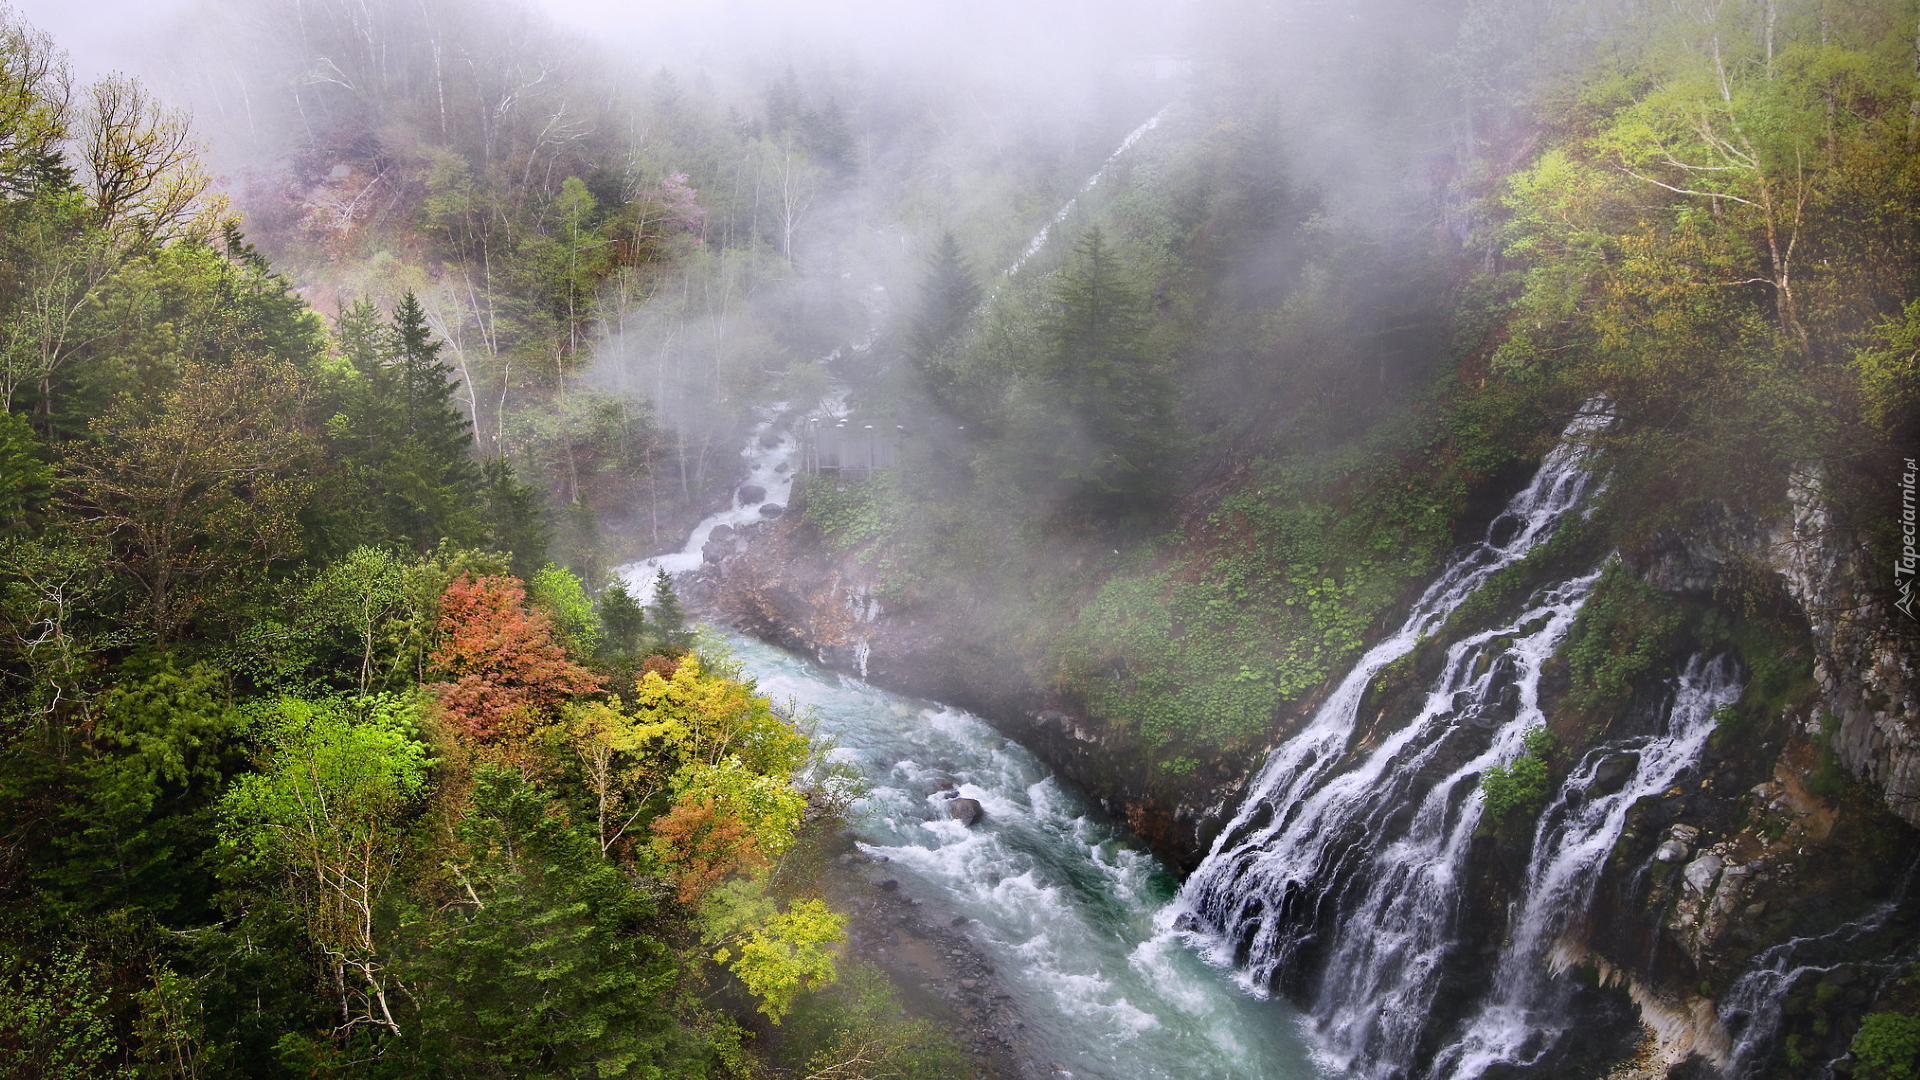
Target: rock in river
[
  {"x": 750, "y": 494},
  {"x": 965, "y": 811}
]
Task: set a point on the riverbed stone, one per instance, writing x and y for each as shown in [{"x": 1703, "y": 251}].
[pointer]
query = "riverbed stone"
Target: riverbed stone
[
  {"x": 771, "y": 510},
  {"x": 965, "y": 811},
  {"x": 751, "y": 493}
]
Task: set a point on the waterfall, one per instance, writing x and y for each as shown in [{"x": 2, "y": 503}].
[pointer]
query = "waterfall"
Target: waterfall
[
  {"x": 1040, "y": 239},
  {"x": 1752, "y": 1005},
  {"x": 1351, "y": 859},
  {"x": 1523, "y": 1015}
]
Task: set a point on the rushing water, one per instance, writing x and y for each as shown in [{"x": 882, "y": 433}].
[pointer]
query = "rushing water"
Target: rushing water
[
  {"x": 1341, "y": 876},
  {"x": 1062, "y": 901},
  {"x": 1525, "y": 1014}
]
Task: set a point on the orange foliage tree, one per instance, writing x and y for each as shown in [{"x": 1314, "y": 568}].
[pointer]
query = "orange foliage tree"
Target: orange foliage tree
[
  {"x": 502, "y": 664},
  {"x": 700, "y": 843}
]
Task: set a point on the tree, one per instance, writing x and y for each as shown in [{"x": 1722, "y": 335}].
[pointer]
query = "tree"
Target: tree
[
  {"x": 775, "y": 954},
  {"x": 503, "y": 664},
  {"x": 139, "y": 164},
  {"x": 668, "y": 619},
  {"x": 56, "y": 1022},
  {"x": 514, "y": 510},
  {"x": 623, "y": 622},
  {"x": 726, "y": 819},
  {"x": 563, "y": 597},
  {"x": 25, "y": 480},
  {"x": 1109, "y": 398},
  {"x": 35, "y": 94},
  {"x": 537, "y": 967},
  {"x": 399, "y": 430},
  {"x": 325, "y": 813},
  {"x": 135, "y": 818},
  {"x": 197, "y": 496},
  {"x": 948, "y": 299}
]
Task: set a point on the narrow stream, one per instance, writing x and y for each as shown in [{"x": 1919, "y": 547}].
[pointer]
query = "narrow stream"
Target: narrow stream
[{"x": 1061, "y": 900}]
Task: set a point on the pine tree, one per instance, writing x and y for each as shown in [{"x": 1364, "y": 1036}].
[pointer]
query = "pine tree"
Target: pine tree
[
  {"x": 513, "y": 511},
  {"x": 1112, "y": 390},
  {"x": 670, "y": 621},
  {"x": 623, "y": 622},
  {"x": 947, "y": 300}
]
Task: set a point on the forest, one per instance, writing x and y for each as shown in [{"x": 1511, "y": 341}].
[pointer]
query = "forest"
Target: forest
[{"x": 346, "y": 363}]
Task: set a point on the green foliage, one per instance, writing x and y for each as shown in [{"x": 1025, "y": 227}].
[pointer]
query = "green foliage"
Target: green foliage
[
  {"x": 25, "y": 480},
  {"x": 775, "y": 954},
  {"x": 541, "y": 967},
  {"x": 1095, "y": 418},
  {"x": 400, "y": 440},
  {"x": 562, "y": 595},
  {"x": 850, "y": 514},
  {"x": 325, "y": 815},
  {"x": 1626, "y": 628},
  {"x": 55, "y": 1022},
  {"x": 858, "y": 1021},
  {"x": 1517, "y": 787},
  {"x": 513, "y": 509},
  {"x": 138, "y": 822},
  {"x": 668, "y": 620},
  {"x": 623, "y": 622},
  {"x": 1887, "y": 1047}
]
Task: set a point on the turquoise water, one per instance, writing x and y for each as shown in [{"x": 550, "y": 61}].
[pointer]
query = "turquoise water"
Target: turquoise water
[{"x": 1060, "y": 899}]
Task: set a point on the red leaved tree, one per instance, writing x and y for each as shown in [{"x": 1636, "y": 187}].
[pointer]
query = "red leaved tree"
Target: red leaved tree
[{"x": 503, "y": 665}]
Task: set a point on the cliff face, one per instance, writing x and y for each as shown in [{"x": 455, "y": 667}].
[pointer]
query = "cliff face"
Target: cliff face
[{"x": 1864, "y": 664}]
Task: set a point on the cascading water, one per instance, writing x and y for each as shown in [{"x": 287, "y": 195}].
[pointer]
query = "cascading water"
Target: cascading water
[
  {"x": 1039, "y": 240},
  {"x": 1752, "y": 1006},
  {"x": 1524, "y": 1014},
  {"x": 1061, "y": 901},
  {"x": 1356, "y": 864}
]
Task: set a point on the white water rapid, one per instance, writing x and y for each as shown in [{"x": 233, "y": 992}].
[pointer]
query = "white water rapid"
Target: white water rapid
[
  {"x": 1062, "y": 902},
  {"x": 1341, "y": 875}
]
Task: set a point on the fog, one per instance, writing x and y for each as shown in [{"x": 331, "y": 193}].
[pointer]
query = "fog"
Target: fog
[{"x": 782, "y": 172}]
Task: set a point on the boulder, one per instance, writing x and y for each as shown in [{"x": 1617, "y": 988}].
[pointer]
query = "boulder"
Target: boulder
[
  {"x": 770, "y": 439},
  {"x": 1613, "y": 774},
  {"x": 887, "y": 885},
  {"x": 1702, "y": 872},
  {"x": 750, "y": 494},
  {"x": 715, "y": 551},
  {"x": 772, "y": 510},
  {"x": 965, "y": 811},
  {"x": 721, "y": 532},
  {"x": 1671, "y": 851}
]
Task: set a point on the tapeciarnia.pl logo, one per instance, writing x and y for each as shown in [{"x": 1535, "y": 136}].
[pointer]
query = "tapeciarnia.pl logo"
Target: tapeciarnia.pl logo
[{"x": 1905, "y": 565}]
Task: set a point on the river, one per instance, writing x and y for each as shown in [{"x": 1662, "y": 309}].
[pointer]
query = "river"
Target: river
[{"x": 1061, "y": 900}]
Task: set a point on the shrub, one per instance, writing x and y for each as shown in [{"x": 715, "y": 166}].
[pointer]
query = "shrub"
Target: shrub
[{"x": 1887, "y": 1047}]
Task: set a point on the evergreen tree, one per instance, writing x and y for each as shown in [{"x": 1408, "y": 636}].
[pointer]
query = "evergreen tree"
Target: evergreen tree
[
  {"x": 1108, "y": 388},
  {"x": 406, "y": 442},
  {"x": 513, "y": 509},
  {"x": 668, "y": 618},
  {"x": 623, "y": 622}
]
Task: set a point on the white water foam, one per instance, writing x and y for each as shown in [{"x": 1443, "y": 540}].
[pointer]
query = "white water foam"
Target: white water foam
[
  {"x": 1353, "y": 864},
  {"x": 1524, "y": 1017}
]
